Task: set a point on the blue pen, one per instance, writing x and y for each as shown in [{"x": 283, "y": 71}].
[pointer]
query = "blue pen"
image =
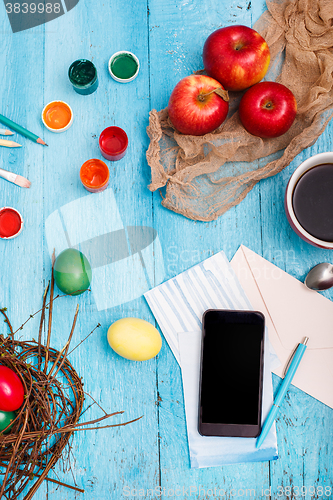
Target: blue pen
[{"x": 294, "y": 362}]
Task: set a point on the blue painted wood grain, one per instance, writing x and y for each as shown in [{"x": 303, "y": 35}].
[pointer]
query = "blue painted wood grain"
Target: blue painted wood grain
[{"x": 167, "y": 36}]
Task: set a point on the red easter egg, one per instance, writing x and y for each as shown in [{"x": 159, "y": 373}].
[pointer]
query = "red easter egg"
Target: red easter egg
[{"x": 11, "y": 390}]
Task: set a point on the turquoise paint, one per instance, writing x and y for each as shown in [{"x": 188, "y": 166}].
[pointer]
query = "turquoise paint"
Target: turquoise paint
[
  {"x": 124, "y": 66},
  {"x": 83, "y": 76},
  {"x": 153, "y": 449}
]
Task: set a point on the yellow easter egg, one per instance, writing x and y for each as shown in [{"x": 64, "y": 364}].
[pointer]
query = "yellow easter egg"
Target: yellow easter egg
[{"x": 134, "y": 339}]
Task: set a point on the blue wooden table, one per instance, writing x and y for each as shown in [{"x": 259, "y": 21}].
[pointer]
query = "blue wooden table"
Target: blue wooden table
[{"x": 125, "y": 462}]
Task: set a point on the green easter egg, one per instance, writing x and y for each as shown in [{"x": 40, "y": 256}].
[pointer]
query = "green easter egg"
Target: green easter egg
[
  {"x": 6, "y": 417},
  {"x": 72, "y": 272}
]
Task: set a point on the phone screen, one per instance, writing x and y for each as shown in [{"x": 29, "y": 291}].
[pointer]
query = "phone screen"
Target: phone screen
[{"x": 231, "y": 369}]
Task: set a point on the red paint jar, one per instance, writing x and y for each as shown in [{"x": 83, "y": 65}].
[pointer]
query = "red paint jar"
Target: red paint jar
[
  {"x": 113, "y": 143},
  {"x": 11, "y": 223},
  {"x": 94, "y": 175}
]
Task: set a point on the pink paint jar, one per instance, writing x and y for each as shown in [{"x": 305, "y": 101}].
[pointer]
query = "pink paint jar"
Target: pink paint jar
[
  {"x": 113, "y": 143},
  {"x": 94, "y": 175},
  {"x": 11, "y": 223}
]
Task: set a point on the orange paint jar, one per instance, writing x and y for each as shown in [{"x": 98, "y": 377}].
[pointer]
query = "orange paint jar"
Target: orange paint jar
[
  {"x": 94, "y": 175},
  {"x": 57, "y": 116}
]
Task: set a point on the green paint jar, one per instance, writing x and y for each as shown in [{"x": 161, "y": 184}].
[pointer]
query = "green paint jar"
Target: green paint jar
[
  {"x": 83, "y": 76},
  {"x": 124, "y": 66}
]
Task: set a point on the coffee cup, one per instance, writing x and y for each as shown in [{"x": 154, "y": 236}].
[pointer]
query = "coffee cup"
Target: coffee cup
[{"x": 309, "y": 200}]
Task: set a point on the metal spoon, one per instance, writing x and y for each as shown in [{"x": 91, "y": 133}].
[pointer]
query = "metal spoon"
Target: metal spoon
[{"x": 320, "y": 277}]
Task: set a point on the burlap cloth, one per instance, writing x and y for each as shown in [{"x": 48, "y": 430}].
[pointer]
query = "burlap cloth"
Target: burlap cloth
[{"x": 207, "y": 175}]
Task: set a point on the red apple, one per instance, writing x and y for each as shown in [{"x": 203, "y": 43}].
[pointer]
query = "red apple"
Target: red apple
[
  {"x": 267, "y": 109},
  {"x": 236, "y": 56},
  {"x": 195, "y": 108}
]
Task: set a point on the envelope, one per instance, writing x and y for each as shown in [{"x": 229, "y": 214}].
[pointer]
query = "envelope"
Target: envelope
[{"x": 292, "y": 312}]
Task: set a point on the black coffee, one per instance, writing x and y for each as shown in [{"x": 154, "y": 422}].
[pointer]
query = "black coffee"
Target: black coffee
[{"x": 313, "y": 201}]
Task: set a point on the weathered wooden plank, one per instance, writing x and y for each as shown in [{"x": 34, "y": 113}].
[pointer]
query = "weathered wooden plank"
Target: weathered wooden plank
[
  {"x": 304, "y": 423},
  {"x": 105, "y": 461},
  {"x": 177, "y": 45},
  {"x": 21, "y": 263}
]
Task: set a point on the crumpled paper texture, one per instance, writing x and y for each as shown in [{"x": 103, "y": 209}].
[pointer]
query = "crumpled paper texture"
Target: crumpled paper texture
[{"x": 205, "y": 176}]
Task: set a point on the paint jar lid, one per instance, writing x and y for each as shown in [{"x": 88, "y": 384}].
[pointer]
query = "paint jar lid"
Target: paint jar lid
[
  {"x": 11, "y": 223},
  {"x": 57, "y": 116},
  {"x": 124, "y": 66},
  {"x": 94, "y": 175}
]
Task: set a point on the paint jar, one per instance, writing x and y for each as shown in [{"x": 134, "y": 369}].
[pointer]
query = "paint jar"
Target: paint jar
[
  {"x": 94, "y": 175},
  {"x": 124, "y": 66},
  {"x": 83, "y": 76},
  {"x": 113, "y": 143},
  {"x": 57, "y": 116},
  {"x": 11, "y": 223}
]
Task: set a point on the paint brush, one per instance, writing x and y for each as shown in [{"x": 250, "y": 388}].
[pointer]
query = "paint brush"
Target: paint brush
[
  {"x": 9, "y": 144},
  {"x": 21, "y": 130},
  {"x": 6, "y": 132},
  {"x": 15, "y": 178}
]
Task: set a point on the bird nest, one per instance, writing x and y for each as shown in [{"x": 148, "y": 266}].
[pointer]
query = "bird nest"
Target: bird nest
[{"x": 53, "y": 404}]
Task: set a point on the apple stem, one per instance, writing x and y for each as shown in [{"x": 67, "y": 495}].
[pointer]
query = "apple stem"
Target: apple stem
[
  {"x": 239, "y": 46},
  {"x": 219, "y": 91}
]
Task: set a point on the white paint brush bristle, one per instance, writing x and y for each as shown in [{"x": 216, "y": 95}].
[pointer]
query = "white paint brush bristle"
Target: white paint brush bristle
[{"x": 22, "y": 181}]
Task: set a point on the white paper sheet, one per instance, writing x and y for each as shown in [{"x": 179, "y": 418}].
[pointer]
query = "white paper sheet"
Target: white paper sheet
[{"x": 178, "y": 304}]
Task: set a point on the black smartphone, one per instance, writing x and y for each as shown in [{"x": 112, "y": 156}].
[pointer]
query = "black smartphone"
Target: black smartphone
[{"x": 231, "y": 379}]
